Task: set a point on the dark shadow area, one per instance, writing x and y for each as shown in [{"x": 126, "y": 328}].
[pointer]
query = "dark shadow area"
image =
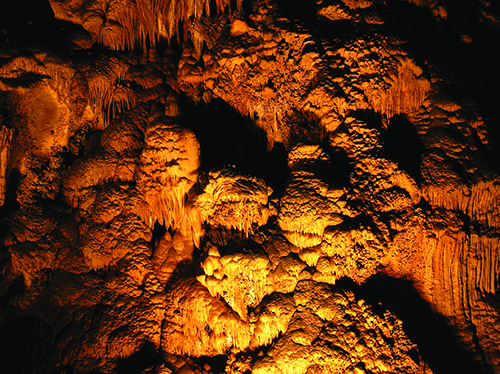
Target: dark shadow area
[
  {"x": 303, "y": 129},
  {"x": 158, "y": 231},
  {"x": 276, "y": 170},
  {"x": 303, "y": 14},
  {"x": 26, "y": 80},
  {"x": 372, "y": 119},
  {"x": 453, "y": 92},
  {"x": 246, "y": 7},
  {"x": 227, "y": 138},
  {"x": 17, "y": 15},
  {"x": 32, "y": 22},
  {"x": 78, "y": 145},
  {"x": 15, "y": 288},
  {"x": 11, "y": 205},
  {"x": 402, "y": 145},
  {"x": 221, "y": 236},
  {"x": 24, "y": 347},
  {"x": 217, "y": 363},
  {"x": 437, "y": 343},
  {"x": 341, "y": 168},
  {"x": 472, "y": 63},
  {"x": 493, "y": 299},
  {"x": 335, "y": 171},
  {"x": 300, "y": 13},
  {"x": 146, "y": 360},
  {"x": 234, "y": 242},
  {"x": 4, "y": 231}
]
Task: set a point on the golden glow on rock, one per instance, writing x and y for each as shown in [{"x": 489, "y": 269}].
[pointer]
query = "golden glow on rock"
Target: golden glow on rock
[
  {"x": 235, "y": 201},
  {"x": 278, "y": 191}
]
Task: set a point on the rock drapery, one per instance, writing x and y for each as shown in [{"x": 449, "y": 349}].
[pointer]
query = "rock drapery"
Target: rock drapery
[{"x": 259, "y": 186}]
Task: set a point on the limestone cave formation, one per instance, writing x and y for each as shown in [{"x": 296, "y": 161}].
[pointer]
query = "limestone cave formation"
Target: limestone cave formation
[{"x": 249, "y": 186}]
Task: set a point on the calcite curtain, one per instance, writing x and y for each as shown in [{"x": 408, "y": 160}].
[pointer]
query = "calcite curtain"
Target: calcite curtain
[{"x": 249, "y": 186}]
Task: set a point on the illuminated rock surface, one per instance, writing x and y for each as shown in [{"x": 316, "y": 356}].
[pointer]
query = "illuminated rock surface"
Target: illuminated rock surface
[{"x": 259, "y": 186}]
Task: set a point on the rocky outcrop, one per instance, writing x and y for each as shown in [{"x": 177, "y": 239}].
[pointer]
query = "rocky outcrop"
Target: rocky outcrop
[{"x": 234, "y": 201}]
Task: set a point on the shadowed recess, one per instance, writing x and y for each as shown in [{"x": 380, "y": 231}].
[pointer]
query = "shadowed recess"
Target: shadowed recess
[
  {"x": 145, "y": 360},
  {"x": 25, "y": 346},
  {"x": 402, "y": 145},
  {"x": 436, "y": 341},
  {"x": 227, "y": 138},
  {"x": 217, "y": 363},
  {"x": 459, "y": 45}
]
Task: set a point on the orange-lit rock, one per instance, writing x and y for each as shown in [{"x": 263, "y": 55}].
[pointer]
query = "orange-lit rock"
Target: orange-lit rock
[
  {"x": 168, "y": 168},
  {"x": 258, "y": 186},
  {"x": 199, "y": 324},
  {"x": 6, "y": 143},
  {"x": 309, "y": 205},
  {"x": 332, "y": 331},
  {"x": 169, "y": 253},
  {"x": 234, "y": 201},
  {"x": 121, "y": 24}
]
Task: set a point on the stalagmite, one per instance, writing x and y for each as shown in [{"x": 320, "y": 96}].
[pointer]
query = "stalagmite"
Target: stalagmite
[{"x": 338, "y": 333}]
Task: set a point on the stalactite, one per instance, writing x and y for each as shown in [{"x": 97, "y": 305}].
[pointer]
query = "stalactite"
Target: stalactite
[
  {"x": 168, "y": 169},
  {"x": 459, "y": 273},
  {"x": 139, "y": 21},
  {"x": 406, "y": 93},
  {"x": 234, "y": 200},
  {"x": 200, "y": 323},
  {"x": 484, "y": 264},
  {"x": 242, "y": 280},
  {"x": 479, "y": 201}
]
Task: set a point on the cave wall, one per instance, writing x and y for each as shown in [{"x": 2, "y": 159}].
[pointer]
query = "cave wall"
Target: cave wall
[{"x": 249, "y": 186}]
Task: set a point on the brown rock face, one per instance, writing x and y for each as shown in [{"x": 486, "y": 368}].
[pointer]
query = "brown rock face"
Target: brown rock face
[{"x": 256, "y": 186}]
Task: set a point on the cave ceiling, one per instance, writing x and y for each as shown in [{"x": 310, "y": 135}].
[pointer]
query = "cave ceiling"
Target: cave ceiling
[{"x": 249, "y": 186}]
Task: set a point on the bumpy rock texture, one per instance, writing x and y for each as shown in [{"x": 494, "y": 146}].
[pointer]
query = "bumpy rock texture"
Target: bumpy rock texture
[{"x": 256, "y": 186}]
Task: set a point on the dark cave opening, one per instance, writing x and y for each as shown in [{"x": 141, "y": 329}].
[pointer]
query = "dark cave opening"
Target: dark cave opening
[
  {"x": 401, "y": 144},
  {"x": 11, "y": 204},
  {"x": 146, "y": 360},
  {"x": 15, "y": 288},
  {"x": 437, "y": 342},
  {"x": 158, "y": 231},
  {"x": 25, "y": 346},
  {"x": 339, "y": 169},
  {"x": 32, "y": 22},
  {"x": 227, "y": 138},
  {"x": 216, "y": 363},
  {"x": 370, "y": 117},
  {"x": 23, "y": 13},
  {"x": 470, "y": 63}
]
